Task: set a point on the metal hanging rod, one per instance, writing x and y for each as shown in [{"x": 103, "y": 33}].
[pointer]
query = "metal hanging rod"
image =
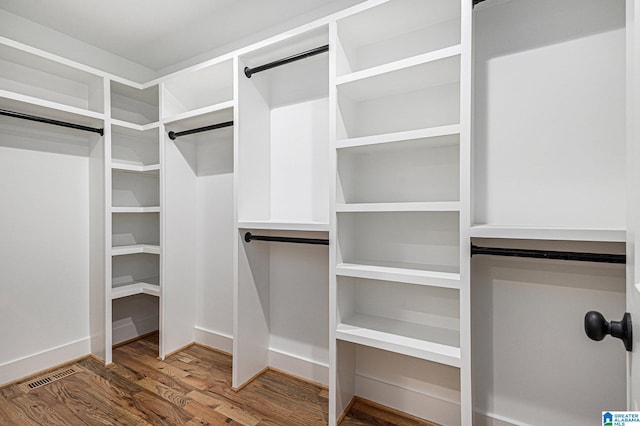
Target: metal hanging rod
[
  {"x": 250, "y": 71},
  {"x": 248, "y": 237},
  {"x": 547, "y": 254},
  {"x": 50, "y": 121},
  {"x": 174, "y": 135},
  {"x": 477, "y": 1}
]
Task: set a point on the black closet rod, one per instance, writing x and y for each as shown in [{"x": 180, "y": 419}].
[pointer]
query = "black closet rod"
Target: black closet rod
[
  {"x": 248, "y": 237},
  {"x": 50, "y": 121},
  {"x": 547, "y": 254},
  {"x": 477, "y": 1},
  {"x": 250, "y": 71},
  {"x": 174, "y": 135}
]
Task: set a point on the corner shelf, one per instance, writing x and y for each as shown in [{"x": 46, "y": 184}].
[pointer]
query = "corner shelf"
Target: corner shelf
[
  {"x": 149, "y": 287},
  {"x": 436, "y": 344},
  {"x": 403, "y": 275},
  {"x": 150, "y": 209},
  {"x": 135, "y": 249},
  {"x": 153, "y": 168}
]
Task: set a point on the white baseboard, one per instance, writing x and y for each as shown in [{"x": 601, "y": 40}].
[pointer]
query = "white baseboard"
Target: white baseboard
[
  {"x": 32, "y": 364},
  {"x": 130, "y": 330},
  {"x": 433, "y": 407},
  {"x": 298, "y": 366},
  {"x": 214, "y": 339}
]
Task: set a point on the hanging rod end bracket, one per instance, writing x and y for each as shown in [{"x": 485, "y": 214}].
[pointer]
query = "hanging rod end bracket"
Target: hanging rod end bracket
[
  {"x": 247, "y": 72},
  {"x": 172, "y": 135},
  {"x": 247, "y": 237},
  {"x": 101, "y": 132}
]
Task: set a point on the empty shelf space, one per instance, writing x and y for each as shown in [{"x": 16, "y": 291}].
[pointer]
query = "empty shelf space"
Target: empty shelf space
[
  {"x": 135, "y": 249},
  {"x": 441, "y": 72},
  {"x": 404, "y": 275},
  {"x": 399, "y": 65},
  {"x": 149, "y": 286},
  {"x": 412, "y": 339},
  {"x": 207, "y": 110},
  {"x": 431, "y": 132},
  {"x": 436, "y": 206},
  {"x": 151, "y": 209}
]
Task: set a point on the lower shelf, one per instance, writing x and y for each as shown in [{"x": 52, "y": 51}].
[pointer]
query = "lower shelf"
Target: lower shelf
[
  {"x": 417, "y": 340},
  {"x": 149, "y": 287}
]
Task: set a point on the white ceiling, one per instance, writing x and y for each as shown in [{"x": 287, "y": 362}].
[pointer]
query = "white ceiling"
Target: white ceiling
[{"x": 160, "y": 33}]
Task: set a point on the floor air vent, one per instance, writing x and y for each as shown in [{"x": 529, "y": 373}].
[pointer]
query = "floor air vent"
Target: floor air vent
[{"x": 49, "y": 378}]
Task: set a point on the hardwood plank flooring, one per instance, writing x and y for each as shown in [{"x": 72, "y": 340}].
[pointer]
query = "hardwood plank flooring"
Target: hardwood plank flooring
[{"x": 192, "y": 387}]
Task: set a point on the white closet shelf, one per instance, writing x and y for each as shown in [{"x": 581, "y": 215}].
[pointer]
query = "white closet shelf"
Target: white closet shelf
[
  {"x": 57, "y": 111},
  {"x": 283, "y": 226},
  {"x": 431, "y": 132},
  {"x": 379, "y": 70},
  {"x": 126, "y": 167},
  {"x": 149, "y": 287},
  {"x": 434, "y": 206},
  {"x": 548, "y": 233},
  {"x": 434, "y": 344},
  {"x": 424, "y": 75},
  {"x": 402, "y": 275},
  {"x": 150, "y": 209},
  {"x": 134, "y": 126},
  {"x": 135, "y": 249},
  {"x": 200, "y": 111}
]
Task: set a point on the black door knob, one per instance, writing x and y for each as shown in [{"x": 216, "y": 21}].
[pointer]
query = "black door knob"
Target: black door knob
[{"x": 597, "y": 327}]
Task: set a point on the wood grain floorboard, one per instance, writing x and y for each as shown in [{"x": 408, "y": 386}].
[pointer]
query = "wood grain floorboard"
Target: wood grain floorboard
[{"x": 192, "y": 387}]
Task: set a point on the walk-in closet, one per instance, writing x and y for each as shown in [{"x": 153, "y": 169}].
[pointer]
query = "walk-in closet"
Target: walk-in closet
[{"x": 320, "y": 212}]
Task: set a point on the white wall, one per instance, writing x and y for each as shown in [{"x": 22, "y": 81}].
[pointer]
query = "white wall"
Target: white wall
[
  {"x": 44, "y": 248},
  {"x": 36, "y": 35}
]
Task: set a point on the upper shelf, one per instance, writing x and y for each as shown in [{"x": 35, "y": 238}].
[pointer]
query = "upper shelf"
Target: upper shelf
[
  {"x": 31, "y": 75},
  {"x": 394, "y": 31},
  {"x": 198, "y": 89}
]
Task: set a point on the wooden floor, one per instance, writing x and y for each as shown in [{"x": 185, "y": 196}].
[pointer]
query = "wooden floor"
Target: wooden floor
[{"x": 192, "y": 387}]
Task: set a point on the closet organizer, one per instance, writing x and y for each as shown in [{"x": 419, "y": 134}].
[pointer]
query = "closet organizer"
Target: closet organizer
[{"x": 376, "y": 201}]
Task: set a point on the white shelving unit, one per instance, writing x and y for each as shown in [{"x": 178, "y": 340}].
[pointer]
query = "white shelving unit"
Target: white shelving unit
[
  {"x": 282, "y": 189},
  {"x": 133, "y": 306},
  {"x": 400, "y": 268}
]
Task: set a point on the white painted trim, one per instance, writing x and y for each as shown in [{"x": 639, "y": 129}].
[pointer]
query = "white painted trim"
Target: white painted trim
[
  {"x": 31, "y": 364},
  {"x": 214, "y": 339},
  {"x": 302, "y": 367},
  {"x": 438, "y": 405}
]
